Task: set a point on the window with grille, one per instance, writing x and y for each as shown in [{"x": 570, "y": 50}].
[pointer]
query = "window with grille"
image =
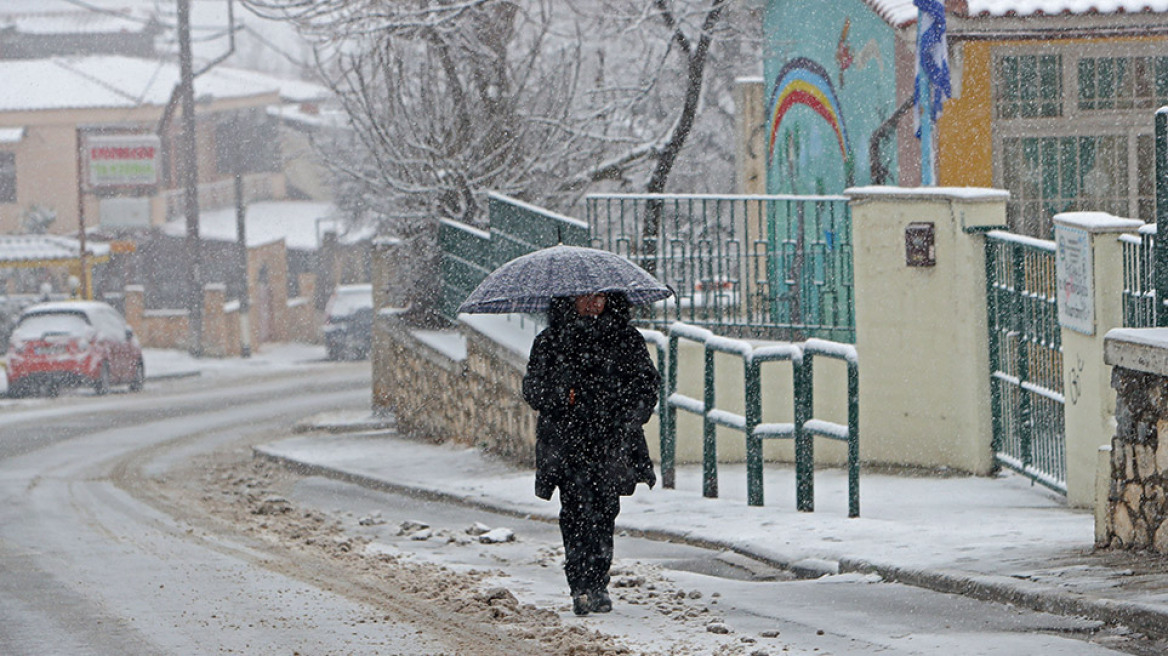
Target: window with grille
[
  {"x": 1028, "y": 86},
  {"x": 1049, "y": 175},
  {"x": 1122, "y": 82}
]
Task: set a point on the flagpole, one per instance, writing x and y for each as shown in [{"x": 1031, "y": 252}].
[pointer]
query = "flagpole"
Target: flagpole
[{"x": 924, "y": 93}]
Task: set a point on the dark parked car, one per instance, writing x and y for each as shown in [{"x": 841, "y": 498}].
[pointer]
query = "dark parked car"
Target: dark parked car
[
  {"x": 72, "y": 344},
  {"x": 348, "y": 324}
]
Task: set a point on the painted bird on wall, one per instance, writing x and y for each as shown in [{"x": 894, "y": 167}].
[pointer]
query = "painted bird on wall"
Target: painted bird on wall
[{"x": 843, "y": 51}]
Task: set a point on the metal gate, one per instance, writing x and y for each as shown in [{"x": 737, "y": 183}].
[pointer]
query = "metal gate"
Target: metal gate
[
  {"x": 771, "y": 267},
  {"x": 1026, "y": 360}
]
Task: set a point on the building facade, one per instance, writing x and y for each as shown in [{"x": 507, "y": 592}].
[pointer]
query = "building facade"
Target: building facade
[{"x": 1055, "y": 106}]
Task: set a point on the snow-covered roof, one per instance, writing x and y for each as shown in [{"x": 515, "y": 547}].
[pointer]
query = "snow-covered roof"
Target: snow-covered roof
[
  {"x": 295, "y": 113},
  {"x": 11, "y": 135},
  {"x": 105, "y": 82},
  {"x": 293, "y": 221},
  {"x": 88, "y": 307},
  {"x": 16, "y": 249},
  {"x": 295, "y": 91},
  {"x": 902, "y": 12},
  {"x": 74, "y": 22}
]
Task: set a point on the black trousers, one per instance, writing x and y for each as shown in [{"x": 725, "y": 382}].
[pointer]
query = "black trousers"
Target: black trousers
[{"x": 588, "y": 509}]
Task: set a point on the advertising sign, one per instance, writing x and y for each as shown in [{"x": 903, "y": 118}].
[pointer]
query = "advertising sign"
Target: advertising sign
[
  {"x": 129, "y": 160},
  {"x": 1076, "y": 286},
  {"x": 125, "y": 212}
]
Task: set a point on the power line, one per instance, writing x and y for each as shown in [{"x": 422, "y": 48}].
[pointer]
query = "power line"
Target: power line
[{"x": 111, "y": 12}]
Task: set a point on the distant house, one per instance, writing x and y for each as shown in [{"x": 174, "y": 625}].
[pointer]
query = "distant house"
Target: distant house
[
  {"x": 70, "y": 31},
  {"x": 1052, "y": 100},
  {"x": 51, "y": 105}
]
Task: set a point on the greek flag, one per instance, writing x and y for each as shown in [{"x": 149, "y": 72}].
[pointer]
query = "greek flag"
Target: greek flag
[{"x": 933, "y": 61}]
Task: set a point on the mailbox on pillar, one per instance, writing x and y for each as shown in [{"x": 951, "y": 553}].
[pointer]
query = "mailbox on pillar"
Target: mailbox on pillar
[{"x": 920, "y": 249}]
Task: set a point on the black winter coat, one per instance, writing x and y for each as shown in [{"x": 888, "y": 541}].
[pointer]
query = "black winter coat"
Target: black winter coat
[{"x": 594, "y": 386}]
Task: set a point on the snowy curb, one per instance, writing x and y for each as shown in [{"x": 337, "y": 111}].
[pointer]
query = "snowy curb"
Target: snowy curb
[
  {"x": 383, "y": 485},
  {"x": 1144, "y": 618},
  {"x": 334, "y": 422},
  {"x": 1147, "y": 619},
  {"x": 173, "y": 376}
]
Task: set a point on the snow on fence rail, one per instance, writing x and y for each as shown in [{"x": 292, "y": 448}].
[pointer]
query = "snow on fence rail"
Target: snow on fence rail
[{"x": 803, "y": 430}]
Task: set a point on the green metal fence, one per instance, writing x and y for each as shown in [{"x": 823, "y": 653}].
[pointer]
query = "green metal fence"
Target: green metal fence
[
  {"x": 1026, "y": 362},
  {"x": 1139, "y": 282},
  {"x": 775, "y": 267},
  {"x": 465, "y": 261},
  {"x": 516, "y": 228},
  {"x": 803, "y": 430}
]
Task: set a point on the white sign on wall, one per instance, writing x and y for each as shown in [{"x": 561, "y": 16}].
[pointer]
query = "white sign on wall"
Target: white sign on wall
[
  {"x": 1076, "y": 284},
  {"x": 128, "y": 160},
  {"x": 125, "y": 212}
]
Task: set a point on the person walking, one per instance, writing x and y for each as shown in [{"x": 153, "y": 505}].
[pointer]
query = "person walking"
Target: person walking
[{"x": 591, "y": 379}]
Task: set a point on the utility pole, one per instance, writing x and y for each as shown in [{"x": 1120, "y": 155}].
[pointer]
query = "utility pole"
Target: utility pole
[
  {"x": 81, "y": 255},
  {"x": 188, "y": 162},
  {"x": 245, "y": 292}
]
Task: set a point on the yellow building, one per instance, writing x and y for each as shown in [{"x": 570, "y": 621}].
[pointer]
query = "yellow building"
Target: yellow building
[{"x": 1056, "y": 107}]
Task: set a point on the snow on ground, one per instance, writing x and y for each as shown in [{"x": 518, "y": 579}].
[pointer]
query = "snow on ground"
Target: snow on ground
[
  {"x": 162, "y": 364},
  {"x": 915, "y": 521},
  {"x": 961, "y": 524}
]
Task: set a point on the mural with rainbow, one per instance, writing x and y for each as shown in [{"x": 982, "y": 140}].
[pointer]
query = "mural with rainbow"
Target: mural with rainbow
[
  {"x": 831, "y": 83},
  {"x": 804, "y": 82}
]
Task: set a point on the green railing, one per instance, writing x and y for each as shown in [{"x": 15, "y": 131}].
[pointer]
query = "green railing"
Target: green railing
[
  {"x": 516, "y": 228},
  {"x": 803, "y": 430},
  {"x": 774, "y": 267},
  {"x": 1139, "y": 282},
  {"x": 465, "y": 261},
  {"x": 1026, "y": 361}
]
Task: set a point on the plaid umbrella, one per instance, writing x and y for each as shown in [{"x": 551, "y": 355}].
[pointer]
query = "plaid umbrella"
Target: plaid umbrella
[{"x": 529, "y": 282}]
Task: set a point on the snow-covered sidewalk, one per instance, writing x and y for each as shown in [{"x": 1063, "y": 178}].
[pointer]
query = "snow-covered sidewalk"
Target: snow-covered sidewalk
[{"x": 995, "y": 538}]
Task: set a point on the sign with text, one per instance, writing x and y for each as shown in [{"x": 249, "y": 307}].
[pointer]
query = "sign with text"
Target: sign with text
[
  {"x": 1074, "y": 275},
  {"x": 129, "y": 160},
  {"x": 125, "y": 212}
]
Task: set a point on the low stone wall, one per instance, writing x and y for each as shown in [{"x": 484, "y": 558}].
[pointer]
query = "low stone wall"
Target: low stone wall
[
  {"x": 1137, "y": 499},
  {"x": 169, "y": 329},
  {"x": 504, "y": 421},
  {"x": 476, "y": 400},
  {"x": 302, "y": 322}
]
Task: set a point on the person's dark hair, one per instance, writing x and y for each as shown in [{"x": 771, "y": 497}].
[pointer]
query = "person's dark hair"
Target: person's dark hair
[
  {"x": 561, "y": 310},
  {"x": 618, "y": 305}
]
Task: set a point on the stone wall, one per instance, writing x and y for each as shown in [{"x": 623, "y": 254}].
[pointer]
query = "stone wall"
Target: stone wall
[
  {"x": 1134, "y": 514},
  {"x": 1138, "y": 494},
  {"x": 476, "y": 400},
  {"x": 504, "y": 421}
]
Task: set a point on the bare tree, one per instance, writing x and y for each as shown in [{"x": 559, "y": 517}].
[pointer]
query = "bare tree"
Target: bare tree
[{"x": 545, "y": 100}]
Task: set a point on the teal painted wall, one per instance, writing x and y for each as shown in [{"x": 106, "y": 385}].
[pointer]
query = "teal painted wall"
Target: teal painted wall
[{"x": 830, "y": 82}]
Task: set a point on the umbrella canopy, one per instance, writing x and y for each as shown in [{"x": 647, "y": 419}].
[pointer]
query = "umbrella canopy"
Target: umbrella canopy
[{"x": 528, "y": 283}]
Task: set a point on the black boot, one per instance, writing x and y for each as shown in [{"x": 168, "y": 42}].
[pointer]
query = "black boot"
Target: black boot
[
  {"x": 601, "y": 602},
  {"x": 582, "y": 603}
]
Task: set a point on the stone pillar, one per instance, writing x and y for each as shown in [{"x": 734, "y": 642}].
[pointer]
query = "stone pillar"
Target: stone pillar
[
  {"x": 214, "y": 330},
  {"x": 326, "y": 269},
  {"x": 921, "y": 326},
  {"x": 1137, "y": 502},
  {"x": 384, "y": 350},
  {"x": 1090, "y": 298},
  {"x": 134, "y": 308}
]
